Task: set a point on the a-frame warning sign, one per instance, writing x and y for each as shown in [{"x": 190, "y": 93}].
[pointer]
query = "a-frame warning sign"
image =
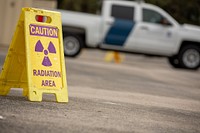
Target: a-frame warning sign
[{"x": 35, "y": 60}]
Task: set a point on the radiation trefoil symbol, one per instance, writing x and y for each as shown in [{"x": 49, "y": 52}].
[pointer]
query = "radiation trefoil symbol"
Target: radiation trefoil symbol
[{"x": 51, "y": 49}]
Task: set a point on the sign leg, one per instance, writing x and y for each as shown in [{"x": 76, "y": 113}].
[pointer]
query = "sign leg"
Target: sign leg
[
  {"x": 62, "y": 96},
  {"x": 4, "y": 90},
  {"x": 34, "y": 95}
]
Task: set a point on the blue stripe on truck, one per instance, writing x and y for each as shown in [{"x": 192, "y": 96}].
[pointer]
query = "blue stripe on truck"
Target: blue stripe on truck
[{"x": 119, "y": 32}]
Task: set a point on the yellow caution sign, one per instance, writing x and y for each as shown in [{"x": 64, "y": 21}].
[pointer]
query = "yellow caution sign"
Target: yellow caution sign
[
  {"x": 115, "y": 56},
  {"x": 35, "y": 60}
]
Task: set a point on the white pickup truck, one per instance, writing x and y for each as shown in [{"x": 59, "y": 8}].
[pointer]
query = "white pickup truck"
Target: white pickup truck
[{"x": 134, "y": 27}]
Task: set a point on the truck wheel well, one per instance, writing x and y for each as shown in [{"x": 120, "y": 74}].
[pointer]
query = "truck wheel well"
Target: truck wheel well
[
  {"x": 186, "y": 43},
  {"x": 68, "y": 30}
]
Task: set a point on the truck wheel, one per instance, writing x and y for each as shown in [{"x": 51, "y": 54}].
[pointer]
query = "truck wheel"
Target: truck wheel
[
  {"x": 72, "y": 45},
  {"x": 174, "y": 62},
  {"x": 189, "y": 57}
]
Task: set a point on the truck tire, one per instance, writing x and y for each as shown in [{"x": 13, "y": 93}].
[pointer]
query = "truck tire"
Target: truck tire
[
  {"x": 189, "y": 57},
  {"x": 72, "y": 45},
  {"x": 174, "y": 62}
]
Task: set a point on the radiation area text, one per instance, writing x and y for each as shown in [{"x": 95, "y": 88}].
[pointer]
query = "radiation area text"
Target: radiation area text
[{"x": 47, "y": 73}]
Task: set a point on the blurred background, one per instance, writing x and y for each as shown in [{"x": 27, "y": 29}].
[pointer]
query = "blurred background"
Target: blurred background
[
  {"x": 137, "y": 94},
  {"x": 184, "y": 11}
]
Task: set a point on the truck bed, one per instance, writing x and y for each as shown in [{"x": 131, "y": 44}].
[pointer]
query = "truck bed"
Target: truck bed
[{"x": 89, "y": 22}]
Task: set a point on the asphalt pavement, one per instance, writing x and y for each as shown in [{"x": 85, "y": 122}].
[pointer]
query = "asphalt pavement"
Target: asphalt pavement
[{"x": 140, "y": 95}]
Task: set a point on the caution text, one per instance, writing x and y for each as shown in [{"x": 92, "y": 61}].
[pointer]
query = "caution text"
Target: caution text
[{"x": 43, "y": 31}]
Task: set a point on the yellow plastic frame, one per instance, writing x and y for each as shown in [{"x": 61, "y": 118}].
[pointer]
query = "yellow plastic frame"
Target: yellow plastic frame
[{"x": 22, "y": 59}]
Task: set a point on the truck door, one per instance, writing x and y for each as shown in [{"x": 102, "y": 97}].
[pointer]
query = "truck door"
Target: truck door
[
  {"x": 156, "y": 33},
  {"x": 117, "y": 27}
]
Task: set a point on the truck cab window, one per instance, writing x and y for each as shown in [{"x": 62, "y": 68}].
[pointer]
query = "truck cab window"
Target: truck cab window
[
  {"x": 122, "y": 12},
  {"x": 152, "y": 16}
]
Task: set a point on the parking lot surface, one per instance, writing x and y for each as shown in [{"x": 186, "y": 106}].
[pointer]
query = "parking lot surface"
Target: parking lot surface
[{"x": 140, "y": 95}]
